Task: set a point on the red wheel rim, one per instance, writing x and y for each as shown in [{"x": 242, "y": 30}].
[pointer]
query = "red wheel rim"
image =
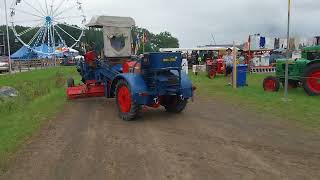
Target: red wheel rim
[
  {"x": 124, "y": 99},
  {"x": 212, "y": 74},
  {"x": 270, "y": 85},
  {"x": 314, "y": 81}
]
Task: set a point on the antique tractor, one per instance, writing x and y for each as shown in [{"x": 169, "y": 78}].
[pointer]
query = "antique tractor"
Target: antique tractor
[
  {"x": 215, "y": 67},
  {"x": 303, "y": 72},
  {"x": 154, "y": 80}
]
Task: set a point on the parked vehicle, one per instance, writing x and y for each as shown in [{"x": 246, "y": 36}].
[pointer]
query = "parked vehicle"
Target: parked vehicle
[
  {"x": 4, "y": 64},
  {"x": 303, "y": 72}
]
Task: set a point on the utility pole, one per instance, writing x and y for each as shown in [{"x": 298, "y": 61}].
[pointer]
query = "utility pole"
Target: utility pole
[
  {"x": 234, "y": 74},
  {"x": 8, "y": 38},
  {"x": 288, "y": 54}
]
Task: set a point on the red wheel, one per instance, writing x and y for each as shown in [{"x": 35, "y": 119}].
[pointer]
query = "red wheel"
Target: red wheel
[
  {"x": 314, "y": 81},
  {"x": 311, "y": 84},
  {"x": 128, "y": 110},
  {"x": 212, "y": 74},
  {"x": 271, "y": 84},
  {"x": 124, "y": 99}
]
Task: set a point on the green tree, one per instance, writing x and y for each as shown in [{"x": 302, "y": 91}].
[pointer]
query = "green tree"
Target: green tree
[
  {"x": 164, "y": 40},
  {"x": 155, "y": 41}
]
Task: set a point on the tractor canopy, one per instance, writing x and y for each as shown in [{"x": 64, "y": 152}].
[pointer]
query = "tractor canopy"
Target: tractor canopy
[{"x": 116, "y": 34}]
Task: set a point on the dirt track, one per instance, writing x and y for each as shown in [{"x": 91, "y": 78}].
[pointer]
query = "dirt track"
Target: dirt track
[{"x": 208, "y": 141}]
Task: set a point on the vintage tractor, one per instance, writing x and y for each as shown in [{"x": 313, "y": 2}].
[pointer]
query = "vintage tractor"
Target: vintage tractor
[
  {"x": 154, "y": 80},
  {"x": 215, "y": 67},
  {"x": 303, "y": 72}
]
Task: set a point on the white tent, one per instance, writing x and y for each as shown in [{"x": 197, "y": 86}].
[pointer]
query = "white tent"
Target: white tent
[{"x": 116, "y": 33}]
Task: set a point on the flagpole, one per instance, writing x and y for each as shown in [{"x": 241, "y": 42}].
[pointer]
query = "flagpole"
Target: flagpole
[
  {"x": 288, "y": 54},
  {"x": 8, "y": 37},
  {"x": 143, "y": 41}
]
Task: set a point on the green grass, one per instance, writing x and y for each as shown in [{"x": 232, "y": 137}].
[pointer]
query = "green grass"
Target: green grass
[
  {"x": 41, "y": 95},
  {"x": 302, "y": 109}
]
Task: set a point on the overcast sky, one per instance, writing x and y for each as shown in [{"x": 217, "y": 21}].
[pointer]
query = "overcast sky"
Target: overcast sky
[{"x": 194, "y": 22}]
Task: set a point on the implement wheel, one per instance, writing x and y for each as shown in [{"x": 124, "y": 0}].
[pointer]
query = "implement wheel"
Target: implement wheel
[
  {"x": 271, "y": 84},
  {"x": 128, "y": 110},
  {"x": 311, "y": 80},
  {"x": 175, "y": 104}
]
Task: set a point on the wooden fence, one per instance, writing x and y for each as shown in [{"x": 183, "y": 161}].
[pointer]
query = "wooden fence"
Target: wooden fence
[{"x": 29, "y": 64}]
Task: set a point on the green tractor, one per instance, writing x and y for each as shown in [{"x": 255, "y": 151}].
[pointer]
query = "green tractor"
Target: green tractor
[{"x": 303, "y": 72}]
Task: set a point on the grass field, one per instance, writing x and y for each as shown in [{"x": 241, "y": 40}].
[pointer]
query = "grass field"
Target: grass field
[
  {"x": 301, "y": 109},
  {"x": 41, "y": 95}
]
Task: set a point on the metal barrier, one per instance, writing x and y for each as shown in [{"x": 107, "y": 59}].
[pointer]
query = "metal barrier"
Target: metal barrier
[{"x": 262, "y": 70}]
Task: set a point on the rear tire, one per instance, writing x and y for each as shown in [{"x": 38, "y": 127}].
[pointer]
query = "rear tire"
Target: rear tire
[
  {"x": 271, "y": 84},
  {"x": 311, "y": 80},
  {"x": 128, "y": 110},
  {"x": 70, "y": 82},
  {"x": 174, "y": 104}
]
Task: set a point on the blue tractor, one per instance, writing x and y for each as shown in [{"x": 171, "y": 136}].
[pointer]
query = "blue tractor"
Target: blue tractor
[{"x": 154, "y": 80}]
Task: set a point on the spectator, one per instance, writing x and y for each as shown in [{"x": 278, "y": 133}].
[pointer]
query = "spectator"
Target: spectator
[
  {"x": 194, "y": 57},
  {"x": 228, "y": 61},
  {"x": 241, "y": 57}
]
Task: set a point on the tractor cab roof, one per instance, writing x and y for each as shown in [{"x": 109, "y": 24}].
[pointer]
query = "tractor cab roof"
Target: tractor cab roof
[
  {"x": 111, "y": 21},
  {"x": 116, "y": 34}
]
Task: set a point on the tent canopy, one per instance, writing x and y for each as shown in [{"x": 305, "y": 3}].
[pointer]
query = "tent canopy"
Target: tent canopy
[
  {"x": 22, "y": 53},
  {"x": 25, "y": 53}
]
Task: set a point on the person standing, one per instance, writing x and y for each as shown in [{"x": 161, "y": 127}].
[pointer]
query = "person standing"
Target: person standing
[
  {"x": 241, "y": 57},
  {"x": 228, "y": 62}
]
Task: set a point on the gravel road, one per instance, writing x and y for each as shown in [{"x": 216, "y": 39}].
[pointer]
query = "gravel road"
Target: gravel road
[{"x": 210, "y": 140}]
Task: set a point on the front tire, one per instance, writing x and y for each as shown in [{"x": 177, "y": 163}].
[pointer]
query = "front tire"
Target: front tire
[
  {"x": 127, "y": 109},
  {"x": 311, "y": 80},
  {"x": 271, "y": 84}
]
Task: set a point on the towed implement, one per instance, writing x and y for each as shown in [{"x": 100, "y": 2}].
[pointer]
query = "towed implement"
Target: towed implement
[{"x": 154, "y": 80}]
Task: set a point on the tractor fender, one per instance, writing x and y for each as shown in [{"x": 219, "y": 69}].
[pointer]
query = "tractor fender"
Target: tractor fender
[
  {"x": 186, "y": 85},
  {"x": 135, "y": 81}
]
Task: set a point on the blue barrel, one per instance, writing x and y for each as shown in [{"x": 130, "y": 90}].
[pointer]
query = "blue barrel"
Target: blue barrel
[{"x": 242, "y": 75}]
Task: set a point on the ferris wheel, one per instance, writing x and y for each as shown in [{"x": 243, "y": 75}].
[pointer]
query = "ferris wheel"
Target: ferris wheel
[{"x": 44, "y": 26}]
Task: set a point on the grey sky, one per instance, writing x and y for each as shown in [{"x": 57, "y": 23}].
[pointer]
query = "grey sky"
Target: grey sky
[{"x": 193, "y": 21}]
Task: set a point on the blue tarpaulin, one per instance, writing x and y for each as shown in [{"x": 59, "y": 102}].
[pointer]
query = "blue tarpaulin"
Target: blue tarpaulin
[
  {"x": 26, "y": 53},
  {"x": 23, "y": 53}
]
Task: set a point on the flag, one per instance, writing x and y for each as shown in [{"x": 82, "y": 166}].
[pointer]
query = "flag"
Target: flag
[
  {"x": 145, "y": 37},
  {"x": 137, "y": 43}
]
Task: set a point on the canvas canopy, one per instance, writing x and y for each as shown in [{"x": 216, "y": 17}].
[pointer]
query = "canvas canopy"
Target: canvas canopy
[{"x": 116, "y": 33}]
